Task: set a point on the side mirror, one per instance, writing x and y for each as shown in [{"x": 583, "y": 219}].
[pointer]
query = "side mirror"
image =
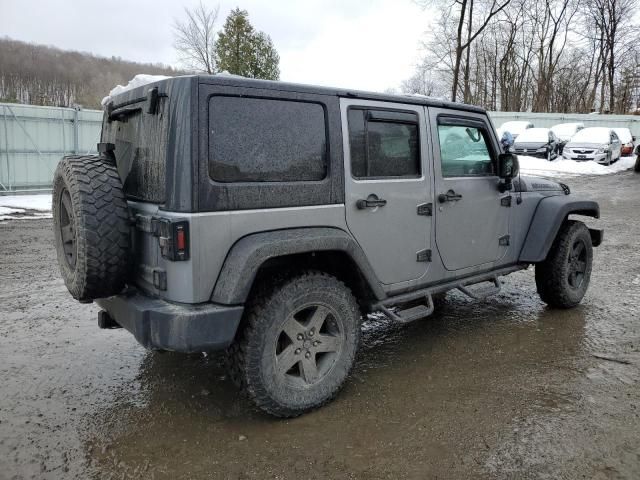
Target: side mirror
[{"x": 508, "y": 168}]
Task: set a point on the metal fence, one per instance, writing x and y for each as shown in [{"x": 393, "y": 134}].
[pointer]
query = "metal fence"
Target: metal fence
[
  {"x": 632, "y": 122},
  {"x": 33, "y": 139}
]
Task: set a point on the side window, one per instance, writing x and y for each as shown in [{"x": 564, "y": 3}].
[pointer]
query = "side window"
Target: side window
[
  {"x": 264, "y": 140},
  {"x": 464, "y": 151},
  {"x": 383, "y": 144}
]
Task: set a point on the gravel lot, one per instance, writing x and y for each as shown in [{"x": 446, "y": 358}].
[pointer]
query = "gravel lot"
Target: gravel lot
[{"x": 502, "y": 389}]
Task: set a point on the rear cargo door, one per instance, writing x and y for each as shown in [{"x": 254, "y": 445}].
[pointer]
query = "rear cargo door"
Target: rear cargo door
[{"x": 387, "y": 187}]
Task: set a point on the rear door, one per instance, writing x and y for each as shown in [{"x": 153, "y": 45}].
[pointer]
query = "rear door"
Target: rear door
[
  {"x": 471, "y": 215},
  {"x": 387, "y": 186}
]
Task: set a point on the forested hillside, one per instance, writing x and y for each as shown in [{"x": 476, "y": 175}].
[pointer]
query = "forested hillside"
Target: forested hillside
[{"x": 41, "y": 75}]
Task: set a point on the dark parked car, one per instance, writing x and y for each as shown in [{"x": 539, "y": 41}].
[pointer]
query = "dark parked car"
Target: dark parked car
[{"x": 538, "y": 142}]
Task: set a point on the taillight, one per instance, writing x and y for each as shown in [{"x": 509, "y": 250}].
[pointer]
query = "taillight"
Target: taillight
[
  {"x": 174, "y": 239},
  {"x": 181, "y": 240}
]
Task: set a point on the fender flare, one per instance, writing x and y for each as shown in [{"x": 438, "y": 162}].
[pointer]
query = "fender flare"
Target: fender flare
[
  {"x": 249, "y": 253},
  {"x": 549, "y": 216}
]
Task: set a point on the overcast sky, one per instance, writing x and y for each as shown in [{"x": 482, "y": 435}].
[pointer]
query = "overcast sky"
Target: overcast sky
[{"x": 366, "y": 44}]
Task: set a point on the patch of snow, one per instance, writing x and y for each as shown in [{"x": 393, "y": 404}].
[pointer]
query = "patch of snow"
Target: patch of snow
[
  {"x": 41, "y": 202},
  {"x": 562, "y": 167},
  {"x": 33, "y": 216},
  {"x": 27, "y": 206},
  {"x": 137, "y": 81},
  {"x": 8, "y": 210}
]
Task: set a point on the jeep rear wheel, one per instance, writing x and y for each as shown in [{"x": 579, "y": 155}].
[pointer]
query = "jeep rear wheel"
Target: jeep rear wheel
[
  {"x": 563, "y": 278},
  {"x": 298, "y": 344},
  {"x": 91, "y": 227}
]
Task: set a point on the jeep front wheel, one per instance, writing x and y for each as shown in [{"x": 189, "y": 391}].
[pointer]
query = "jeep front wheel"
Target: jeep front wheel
[
  {"x": 563, "y": 278},
  {"x": 298, "y": 344}
]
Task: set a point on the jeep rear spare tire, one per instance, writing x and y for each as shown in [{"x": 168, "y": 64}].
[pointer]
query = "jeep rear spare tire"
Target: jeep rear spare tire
[{"x": 90, "y": 218}]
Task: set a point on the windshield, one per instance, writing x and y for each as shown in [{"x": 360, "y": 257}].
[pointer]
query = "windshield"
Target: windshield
[
  {"x": 534, "y": 135},
  {"x": 623, "y": 134},
  {"x": 592, "y": 135}
]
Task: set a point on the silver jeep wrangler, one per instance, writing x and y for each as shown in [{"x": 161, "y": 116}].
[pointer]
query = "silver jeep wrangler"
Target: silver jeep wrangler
[{"x": 268, "y": 219}]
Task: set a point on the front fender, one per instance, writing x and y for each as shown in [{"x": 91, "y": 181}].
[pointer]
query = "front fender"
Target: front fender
[
  {"x": 250, "y": 252},
  {"x": 550, "y": 213}
]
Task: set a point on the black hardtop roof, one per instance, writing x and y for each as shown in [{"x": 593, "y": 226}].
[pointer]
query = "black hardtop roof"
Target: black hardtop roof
[{"x": 234, "y": 80}]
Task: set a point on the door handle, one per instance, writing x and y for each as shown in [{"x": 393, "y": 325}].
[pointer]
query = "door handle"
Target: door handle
[
  {"x": 450, "y": 196},
  {"x": 372, "y": 201}
]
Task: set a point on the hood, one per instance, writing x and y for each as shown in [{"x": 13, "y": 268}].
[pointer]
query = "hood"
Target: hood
[
  {"x": 531, "y": 145},
  {"x": 585, "y": 145},
  {"x": 538, "y": 184}
]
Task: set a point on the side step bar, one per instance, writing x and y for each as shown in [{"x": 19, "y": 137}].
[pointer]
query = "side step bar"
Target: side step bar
[
  {"x": 422, "y": 311},
  {"x": 410, "y": 314}
]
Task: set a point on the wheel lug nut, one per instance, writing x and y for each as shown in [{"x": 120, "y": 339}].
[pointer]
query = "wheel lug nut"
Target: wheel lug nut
[
  {"x": 300, "y": 337},
  {"x": 315, "y": 344},
  {"x": 311, "y": 333},
  {"x": 298, "y": 351},
  {"x": 307, "y": 355}
]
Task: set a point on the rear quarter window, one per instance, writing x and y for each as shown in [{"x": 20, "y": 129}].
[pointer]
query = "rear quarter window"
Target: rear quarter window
[
  {"x": 141, "y": 152},
  {"x": 266, "y": 140}
]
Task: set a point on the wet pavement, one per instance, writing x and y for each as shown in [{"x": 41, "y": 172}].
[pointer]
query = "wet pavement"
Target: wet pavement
[{"x": 500, "y": 389}]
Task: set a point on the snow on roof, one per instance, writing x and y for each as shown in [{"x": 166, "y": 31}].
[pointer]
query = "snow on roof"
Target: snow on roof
[
  {"x": 592, "y": 135},
  {"x": 142, "y": 79},
  {"x": 534, "y": 135},
  {"x": 137, "y": 81},
  {"x": 624, "y": 134}
]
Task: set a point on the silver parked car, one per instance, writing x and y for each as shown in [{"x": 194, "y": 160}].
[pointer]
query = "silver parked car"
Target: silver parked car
[
  {"x": 600, "y": 144},
  {"x": 537, "y": 142}
]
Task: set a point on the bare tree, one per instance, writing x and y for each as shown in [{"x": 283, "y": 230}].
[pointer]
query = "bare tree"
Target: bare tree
[
  {"x": 471, "y": 18},
  {"x": 540, "y": 55},
  {"x": 195, "y": 38}
]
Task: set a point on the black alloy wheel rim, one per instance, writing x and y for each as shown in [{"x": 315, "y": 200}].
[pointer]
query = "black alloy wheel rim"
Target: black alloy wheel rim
[
  {"x": 577, "y": 264},
  {"x": 308, "y": 345},
  {"x": 67, "y": 224}
]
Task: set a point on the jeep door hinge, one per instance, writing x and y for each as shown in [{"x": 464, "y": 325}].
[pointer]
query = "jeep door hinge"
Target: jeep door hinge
[
  {"x": 506, "y": 201},
  {"x": 424, "y": 255},
  {"x": 504, "y": 240},
  {"x": 425, "y": 209}
]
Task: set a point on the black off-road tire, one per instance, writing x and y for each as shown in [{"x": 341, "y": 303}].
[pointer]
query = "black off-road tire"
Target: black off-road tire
[
  {"x": 637, "y": 165},
  {"x": 91, "y": 226},
  {"x": 555, "y": 285},
  {"x": 251, "y": 360}
]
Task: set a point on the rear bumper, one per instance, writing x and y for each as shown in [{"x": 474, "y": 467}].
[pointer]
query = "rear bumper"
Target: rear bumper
[{"x": 161, "y": 325}]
